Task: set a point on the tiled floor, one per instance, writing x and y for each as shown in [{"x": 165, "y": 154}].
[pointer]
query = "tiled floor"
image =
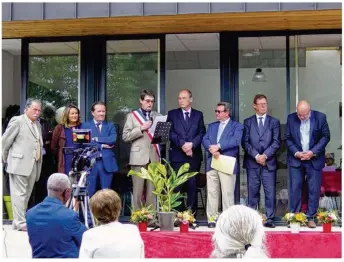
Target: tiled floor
[{"x": 16, "y": 244}]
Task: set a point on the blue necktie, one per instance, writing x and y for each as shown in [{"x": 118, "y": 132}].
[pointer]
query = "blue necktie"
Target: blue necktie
[
  {"x": 98, "y": 126},
  {"x": 260, "y": 124},
  {"x": 187, "y": 118}
]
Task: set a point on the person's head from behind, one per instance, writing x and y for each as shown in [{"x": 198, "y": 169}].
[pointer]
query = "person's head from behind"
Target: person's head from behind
[
  {"x": 105, "y": 206},
  {"x": 59, "y": 186},
  {"x": 239, "y": 232}
]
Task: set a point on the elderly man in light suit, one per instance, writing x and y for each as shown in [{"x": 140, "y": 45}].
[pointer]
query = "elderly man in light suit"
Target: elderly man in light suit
[
  {"x": 142, "y": 151},
  {"x": 22, "y": 152}
]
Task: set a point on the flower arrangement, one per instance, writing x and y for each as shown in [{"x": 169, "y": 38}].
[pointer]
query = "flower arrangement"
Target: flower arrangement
[
  {"x": 213, "y": 218},
  {"x": 327, "y": 217},
  {"x": 186, "y": 217},
  {"x": 142, "y": 215},
  {"x": 263, "y": 217},
  {"x": 295, "y": 218}
]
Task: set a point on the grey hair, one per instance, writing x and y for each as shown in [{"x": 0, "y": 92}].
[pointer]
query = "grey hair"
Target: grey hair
[
  {"x": 227, "y": 106},
  {"x": 237, "y": 227},
  {"x": 30, "y": 101},
  {"x": 57, "y": 183}
]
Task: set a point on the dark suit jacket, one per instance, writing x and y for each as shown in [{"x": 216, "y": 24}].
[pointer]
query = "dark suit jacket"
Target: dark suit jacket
[
  {"x": 318, "y": 139},
  {"x": 229, "y": 141},
  {"x": 180, "y": 134},
  {"x": 54, "y": 230},
  {"x": 108, "y": 136},
  {"x": 266, "y": 143}
]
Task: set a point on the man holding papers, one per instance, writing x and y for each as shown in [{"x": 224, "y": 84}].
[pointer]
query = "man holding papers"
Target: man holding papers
[
  {"x": 222, "y": 139},
  {"x": 261, "y": 141}
]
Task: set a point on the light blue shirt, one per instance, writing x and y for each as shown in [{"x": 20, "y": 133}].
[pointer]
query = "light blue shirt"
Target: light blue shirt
[{"x": 304, "y": 130}]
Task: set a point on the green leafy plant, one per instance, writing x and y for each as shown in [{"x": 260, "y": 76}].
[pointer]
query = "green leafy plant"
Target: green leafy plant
[{"x": 165, "y": 184}]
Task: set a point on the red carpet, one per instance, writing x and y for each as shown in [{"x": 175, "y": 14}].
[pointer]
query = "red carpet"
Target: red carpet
[{"x": 279, "y": 244}]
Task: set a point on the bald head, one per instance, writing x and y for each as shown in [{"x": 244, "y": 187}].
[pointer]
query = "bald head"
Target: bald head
[
  {"x": 303, "y": 109},
  {"x": 59, "y": 186}
]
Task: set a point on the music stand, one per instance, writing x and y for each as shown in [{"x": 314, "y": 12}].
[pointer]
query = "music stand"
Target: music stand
[{"x": 161, "y": 133}]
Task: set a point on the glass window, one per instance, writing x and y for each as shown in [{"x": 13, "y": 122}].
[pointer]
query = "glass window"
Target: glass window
[{"x": 54, "y": 72}]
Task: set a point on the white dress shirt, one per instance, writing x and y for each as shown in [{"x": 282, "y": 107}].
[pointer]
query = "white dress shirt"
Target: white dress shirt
[
  {"x": 113, "y": 240},
  {"x": 263, "y": 118},
  {"x": 100, "y": 126},
  {"x": 184, "y": 111}
]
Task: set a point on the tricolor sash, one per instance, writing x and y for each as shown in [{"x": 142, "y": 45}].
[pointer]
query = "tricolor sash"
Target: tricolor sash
[{"x": 140, "y": 118}]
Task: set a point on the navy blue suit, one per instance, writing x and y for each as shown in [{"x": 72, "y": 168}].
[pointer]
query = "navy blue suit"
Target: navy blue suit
[
  {"x": 180, "y": 133},
  {"x": 229, "y": 141},
  {"x": 106, "y": 164},
  {"x": 256, "y": 142},
  {"x": 54, "y": 230},
  {"x": 319, "y": 136}
]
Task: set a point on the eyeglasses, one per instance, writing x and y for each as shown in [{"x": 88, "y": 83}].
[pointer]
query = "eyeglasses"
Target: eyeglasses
[
  {"x": 149, "y": 101},
  {"x": 262, "y": 104},
  {"x": 218, "y": 111}
]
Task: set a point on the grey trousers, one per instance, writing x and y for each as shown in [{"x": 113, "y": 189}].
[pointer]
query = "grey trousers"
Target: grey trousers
[
  {"x": 138, "y": 186},
  {"x": 219, "y": 184},
  {"x": 21, "y": 189}
]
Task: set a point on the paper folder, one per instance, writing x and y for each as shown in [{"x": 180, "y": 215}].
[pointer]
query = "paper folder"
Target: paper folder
[{"x": 224, "y": 164}]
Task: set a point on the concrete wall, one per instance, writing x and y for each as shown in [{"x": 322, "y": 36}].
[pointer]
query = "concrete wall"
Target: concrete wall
[{"x": 44, "y": 11}]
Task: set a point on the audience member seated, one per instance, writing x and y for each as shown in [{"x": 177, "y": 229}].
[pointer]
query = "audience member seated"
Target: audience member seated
[
  {"x": 239, "y": 233},
  {"x": 329, "y": 162},
  {"x": 110, "y": 239},
  {"x": 54, "y": 230}
]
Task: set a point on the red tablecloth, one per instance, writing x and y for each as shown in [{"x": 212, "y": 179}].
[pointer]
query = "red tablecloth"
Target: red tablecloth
[{"x": 279, "y": 244}]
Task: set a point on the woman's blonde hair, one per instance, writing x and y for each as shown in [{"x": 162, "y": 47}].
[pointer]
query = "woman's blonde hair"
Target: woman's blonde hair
[
  {"x": 239, "y": 233},
  {"x": 65, "y": 120},
  {"x": 105, "y": 206}
]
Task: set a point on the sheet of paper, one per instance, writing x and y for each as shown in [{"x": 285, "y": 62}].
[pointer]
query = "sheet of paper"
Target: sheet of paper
[
  {"x": 156, "y": 120},
  {"x": 224, "y": 164}
]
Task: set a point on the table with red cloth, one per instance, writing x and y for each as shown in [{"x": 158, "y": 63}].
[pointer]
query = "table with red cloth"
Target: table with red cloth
[
  {"x": 331, "y": 185},
  {"x": 280, "y": 244}
]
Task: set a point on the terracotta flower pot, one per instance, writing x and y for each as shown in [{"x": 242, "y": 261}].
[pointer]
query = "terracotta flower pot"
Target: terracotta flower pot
[
  {"x": 142, "y": 226},
  {"x": 327, "y": 227},
  {"x": 184, "y": 227}
]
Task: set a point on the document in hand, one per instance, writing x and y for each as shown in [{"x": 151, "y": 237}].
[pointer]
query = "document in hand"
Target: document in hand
[
  {"x": 224, "y": 164},
  {"x": 156, "y": 120}
]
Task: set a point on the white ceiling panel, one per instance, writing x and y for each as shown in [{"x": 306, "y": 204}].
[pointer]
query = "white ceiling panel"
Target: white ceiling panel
[
  {"x": 126, "y": 46},
  {"x": 12, "y": 46},
  {"x": 247, "y": 43},
  {"x": 273, "y": 42},
  {"x": 152, "y": 44},
  {"x": 59, "y": 48},
  {"x": 320, "y": 40},
  {"x": 207, "y": 36},
  {"x": 194, "y": 45}
]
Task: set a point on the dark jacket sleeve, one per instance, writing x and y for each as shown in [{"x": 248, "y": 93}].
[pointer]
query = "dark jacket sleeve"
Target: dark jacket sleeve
[
  {"x": 289, "y": 138},
  {"x": 276, "y": 136},
  {"x": 249, "y": 149},
  {"x": 325, "y": 136}
]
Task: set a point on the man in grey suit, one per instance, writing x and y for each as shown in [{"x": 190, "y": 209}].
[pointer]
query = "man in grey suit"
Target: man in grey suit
[
  {"x": 142, "y": 152},
  {"x": 22, "y": 152}
]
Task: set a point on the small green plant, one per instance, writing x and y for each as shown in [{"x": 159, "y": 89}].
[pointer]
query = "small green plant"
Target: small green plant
[{"x": 165, "y": 184}]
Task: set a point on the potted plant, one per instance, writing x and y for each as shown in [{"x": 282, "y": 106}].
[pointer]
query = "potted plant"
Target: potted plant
[
  {"x": 142, "y": 216},
  {"x": 295, "y": 220},
  {"x": 165, "y": 185},
  {"x": 327, "y": 218},
  {"x": 185, "y": 218}
]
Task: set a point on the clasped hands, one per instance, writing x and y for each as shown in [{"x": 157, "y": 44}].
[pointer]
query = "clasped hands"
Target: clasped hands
[
  {"x": 261, "y": 159},
  {"x": 214, "y": 150},
  {"x": 187, "y": 148},
  {"x": 304, "y": 155}
]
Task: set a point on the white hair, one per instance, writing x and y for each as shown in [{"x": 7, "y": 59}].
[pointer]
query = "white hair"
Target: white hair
[
  {"x": 57, "y": 183},
  {"x": 239, "y": 233}
]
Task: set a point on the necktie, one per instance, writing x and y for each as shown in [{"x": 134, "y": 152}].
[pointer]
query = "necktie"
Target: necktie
[
  {"x": 98, "y": 126},
  {"x": 147, "y": 116},
  {"x": 260, "y": 124},
  {"x": 38, "y": 144},
  {"x": 219, "y": 133},
  {"x": 187, "y": 118}
]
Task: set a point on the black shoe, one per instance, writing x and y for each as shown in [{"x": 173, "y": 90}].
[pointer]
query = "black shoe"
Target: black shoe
[
  {"x": 211, "y": 225},
  {"x": 288, "y": 225},
  {"x": 269, "y": 224}
]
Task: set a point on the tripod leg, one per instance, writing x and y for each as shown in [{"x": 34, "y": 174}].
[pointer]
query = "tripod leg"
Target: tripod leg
[
  {"x": 92, "y": 217},
  {"x": 84, "y": 210}
]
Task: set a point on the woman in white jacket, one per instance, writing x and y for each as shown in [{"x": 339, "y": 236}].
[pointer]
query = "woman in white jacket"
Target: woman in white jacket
[{"x": 110, "y": 239}]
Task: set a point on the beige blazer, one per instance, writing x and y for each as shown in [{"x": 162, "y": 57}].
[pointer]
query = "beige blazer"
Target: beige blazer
[
  {"x": 19, "y": 145},
  {"x": 142, "y": 151}
]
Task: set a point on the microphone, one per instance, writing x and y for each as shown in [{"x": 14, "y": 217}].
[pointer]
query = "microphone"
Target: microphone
[{"x": 151, "y": 119}]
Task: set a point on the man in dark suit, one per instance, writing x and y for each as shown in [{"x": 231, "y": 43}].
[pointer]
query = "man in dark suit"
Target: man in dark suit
[
  {"x": 307, "y": 134},
  {"x": 54, "y": 230},
  {"x": 186, "y": 136},
  {"x": 223, "y": 137},
  {"x": 261, "y": 140},
  {"x": 104, "y": 137}
]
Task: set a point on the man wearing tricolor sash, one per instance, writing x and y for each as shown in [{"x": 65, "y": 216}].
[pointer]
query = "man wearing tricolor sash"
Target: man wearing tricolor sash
[{"x": 142, "y": 152}]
